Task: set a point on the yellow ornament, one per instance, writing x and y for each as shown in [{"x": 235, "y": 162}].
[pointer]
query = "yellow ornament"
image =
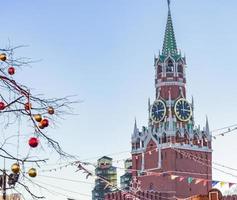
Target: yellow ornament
[
  {"x": 15, "y": 168},
  {"x": 32, "y": 172},
  {"x": 38, "y": 117},
  {"x": 3, "y": 57}
]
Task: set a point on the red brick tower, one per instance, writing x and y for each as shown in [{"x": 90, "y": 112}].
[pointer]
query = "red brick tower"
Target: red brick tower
[{"x": 171, "y": 144}]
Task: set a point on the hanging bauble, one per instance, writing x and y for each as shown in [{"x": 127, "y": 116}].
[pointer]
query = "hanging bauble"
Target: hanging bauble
[
  {"x": 41, "y": 126},
  {"x": 38, "y": 117},
  {"x": 2, "y": 105},
  {"x": 3, "y": 57},
  {"x": 11, "y": 70},
  {"x": 32, "y": 172},
  {"x": 51, "y": 110},
  {"x": 33, "y": 142},
  {"x": 15, "y": 168},
  {"x": 45, "y": 122},
  {"x": 28, "y": 106}
]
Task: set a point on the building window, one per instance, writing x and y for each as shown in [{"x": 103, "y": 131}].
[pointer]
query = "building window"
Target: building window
[
  {"x": 178, "y": 137},
  {"x": 180, "y": 68},
  {"x": 151, "y": 186},
  {"x": 159, "y": 69},
  {"x": 195, "y": 140},
  {"x": 164, "y": 138},
  {"x": 204, "y": 140},
  {"x": 186, "y": 138},
  {"x": 170, "y": 66}
]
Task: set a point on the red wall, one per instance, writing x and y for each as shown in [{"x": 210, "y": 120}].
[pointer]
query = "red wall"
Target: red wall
[{"x": 176, "y": 164}]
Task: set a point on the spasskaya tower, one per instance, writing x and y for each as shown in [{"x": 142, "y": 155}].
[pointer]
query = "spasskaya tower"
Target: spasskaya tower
[
  {"x": 171, "y": 156},
  {"x": 171, "y": 146}
]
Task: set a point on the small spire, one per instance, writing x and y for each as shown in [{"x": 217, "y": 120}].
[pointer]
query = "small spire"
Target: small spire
[
  {"x": 149, "y": 105},
  {"x": 192, "y": 103},
  {"x": 207, "y": 125},
  {"x": 135, "y": 128},
  {"x": 149, "y": 111}
]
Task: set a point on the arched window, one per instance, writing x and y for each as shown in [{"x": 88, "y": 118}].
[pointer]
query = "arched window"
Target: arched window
[
  {"x": 178, "y": 137},
  {"x": 204, "y": 140},
  {"x": 195, "y": 139},
  {"x": 186, "y": 138},
  {"x": 159, "y": 69},
  {"x": 138, "y": 144},
  {"x": 164, "y": 138},
  {"x": 180, "y": 68},
  {"x": 170, "y": 66}
]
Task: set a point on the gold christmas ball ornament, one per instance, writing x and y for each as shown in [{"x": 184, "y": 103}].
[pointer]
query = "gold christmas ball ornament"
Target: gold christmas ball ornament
[
  {"x": 51, "y": 110},
  {"x": 15, "y": 168},
  {"x": 38, "y": 117},
  {"x": 3, "y": 57},
  {"x": 32, "y": 172},
  {"x": 41, "y": 126}
]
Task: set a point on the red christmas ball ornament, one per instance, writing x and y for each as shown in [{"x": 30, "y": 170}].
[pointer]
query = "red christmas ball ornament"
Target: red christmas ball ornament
[
  {"x": 11, "y": 70},
  {"x": 33, "y": 142},
  {"x": 45, "y": 122},
  {"x": 2, "y": 105},
  {"x": 28, "y": 106}
]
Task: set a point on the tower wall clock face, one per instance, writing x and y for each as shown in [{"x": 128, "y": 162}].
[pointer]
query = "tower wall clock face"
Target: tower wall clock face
[
  {"x": 183, "y": 110},
  {"x": 158, "y": 111}
]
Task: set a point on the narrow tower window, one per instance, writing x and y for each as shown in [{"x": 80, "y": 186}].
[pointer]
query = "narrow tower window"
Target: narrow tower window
[
  {"x": 178, "y": 137},
  {"x": 170, "y": 66},
  {"x": 195, "y": 140},
  {"x": 164, "y": 138},
  {"x": 159, "y": 69},
  {"x": 204, "y": 140},
  {"x": 186, "y": 138},
  {"x": 180, "y": 68}
]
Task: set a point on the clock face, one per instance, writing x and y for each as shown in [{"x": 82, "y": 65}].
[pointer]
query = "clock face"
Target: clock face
[
  {"x": 158, "y": 111},
  {"x": 183, "y": 110}
]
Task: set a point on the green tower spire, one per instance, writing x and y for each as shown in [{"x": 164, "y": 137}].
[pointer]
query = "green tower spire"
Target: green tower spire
[{"x": 169, "y": 45}]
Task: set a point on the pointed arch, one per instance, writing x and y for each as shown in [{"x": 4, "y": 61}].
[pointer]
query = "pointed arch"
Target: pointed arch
[
  {"x": 195, "y": 139},
  {"x": 178, "y": 137},
  {"x": 204, "y": 140},
  {"x": 170, "y": 66},
  {"x": 159, "y": 69},
  {"x": 186, "y": 138},
  {"x": 164, "y": 138},
  {"x": 180, "y": 68}
]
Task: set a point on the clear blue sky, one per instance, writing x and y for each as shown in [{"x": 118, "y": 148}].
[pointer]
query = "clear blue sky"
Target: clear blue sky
[{"x": 102, "y": 50}]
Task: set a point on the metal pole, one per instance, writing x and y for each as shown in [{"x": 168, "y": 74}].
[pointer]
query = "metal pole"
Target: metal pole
[
  {"x": 4, "y": 182},
  {"x": 4, "y": 185}
]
